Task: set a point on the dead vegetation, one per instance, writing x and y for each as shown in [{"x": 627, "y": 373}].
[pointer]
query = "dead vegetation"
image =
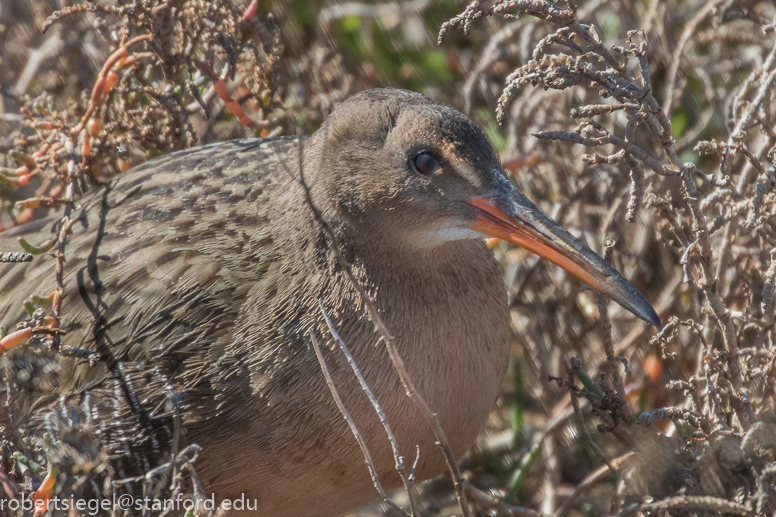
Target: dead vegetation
[
  {"x": 654, "y": 140},
  {"x": 707, "y": 191}
]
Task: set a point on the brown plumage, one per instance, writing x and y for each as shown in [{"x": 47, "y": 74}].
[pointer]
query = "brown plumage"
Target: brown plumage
[{"x": 197, "y": 276}]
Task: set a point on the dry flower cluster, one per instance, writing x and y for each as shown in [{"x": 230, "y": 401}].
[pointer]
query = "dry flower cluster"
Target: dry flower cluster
[
  {"x": 713, "y": 214},
  {"x": 166, "y": 72}
]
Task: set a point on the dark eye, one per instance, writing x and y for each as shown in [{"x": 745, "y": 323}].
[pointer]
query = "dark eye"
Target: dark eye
[{"x": 426, "y": 165}]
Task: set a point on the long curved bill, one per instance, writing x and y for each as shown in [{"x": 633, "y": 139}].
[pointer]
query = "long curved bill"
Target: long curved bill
[{"x": 509, "y": 215}]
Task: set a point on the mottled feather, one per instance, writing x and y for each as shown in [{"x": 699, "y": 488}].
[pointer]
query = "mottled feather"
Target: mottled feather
[{"x": 196, "y": 277}]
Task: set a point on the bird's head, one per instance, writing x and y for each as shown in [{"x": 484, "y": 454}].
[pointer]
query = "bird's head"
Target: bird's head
[{"x": 415, "y": 173}]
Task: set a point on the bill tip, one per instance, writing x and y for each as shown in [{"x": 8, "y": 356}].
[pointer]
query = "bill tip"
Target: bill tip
[{"x": 652, "y": 318}]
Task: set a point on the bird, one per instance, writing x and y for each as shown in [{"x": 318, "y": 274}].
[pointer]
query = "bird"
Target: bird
[{"x": 199, "y": 277}]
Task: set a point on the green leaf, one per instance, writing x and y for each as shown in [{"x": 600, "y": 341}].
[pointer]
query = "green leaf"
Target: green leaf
[
  {"x": 37, "y": 250},
  {"x": 36, "y": 468},
  {"x": 350, "y": 23},
  {"x": 496, "y": 133},
  {"x": 435, "y": 63},
  {"x": 518, "y": 409},
  {"x": 521, "y": 472},
  {"x": 679, "y": 122}
]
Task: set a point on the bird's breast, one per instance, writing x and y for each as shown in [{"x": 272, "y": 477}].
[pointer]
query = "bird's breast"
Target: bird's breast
[{"x": 450, "y": 324}]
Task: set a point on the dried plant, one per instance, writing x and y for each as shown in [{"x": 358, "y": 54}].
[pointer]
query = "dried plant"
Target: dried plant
[
  {"x": 714, "y": 229},
  {"x": 164, "y": 63},
  {"x": 674, "y": 183}
]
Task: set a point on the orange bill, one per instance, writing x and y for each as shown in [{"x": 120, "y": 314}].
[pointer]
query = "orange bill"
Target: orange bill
[{"x": 511, "y": 216}]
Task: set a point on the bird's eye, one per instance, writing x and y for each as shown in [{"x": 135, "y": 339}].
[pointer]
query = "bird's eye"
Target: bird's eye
[{"x": 426, "y": 165}]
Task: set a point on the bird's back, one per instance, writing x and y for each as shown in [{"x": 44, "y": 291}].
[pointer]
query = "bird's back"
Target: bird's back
[
  {"x": 197, "y": 278},
  {"x": 158, "y": 265}
]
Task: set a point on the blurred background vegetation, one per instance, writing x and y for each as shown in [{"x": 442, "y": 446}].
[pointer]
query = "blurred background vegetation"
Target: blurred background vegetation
[{"x": 707, "y": 60}]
